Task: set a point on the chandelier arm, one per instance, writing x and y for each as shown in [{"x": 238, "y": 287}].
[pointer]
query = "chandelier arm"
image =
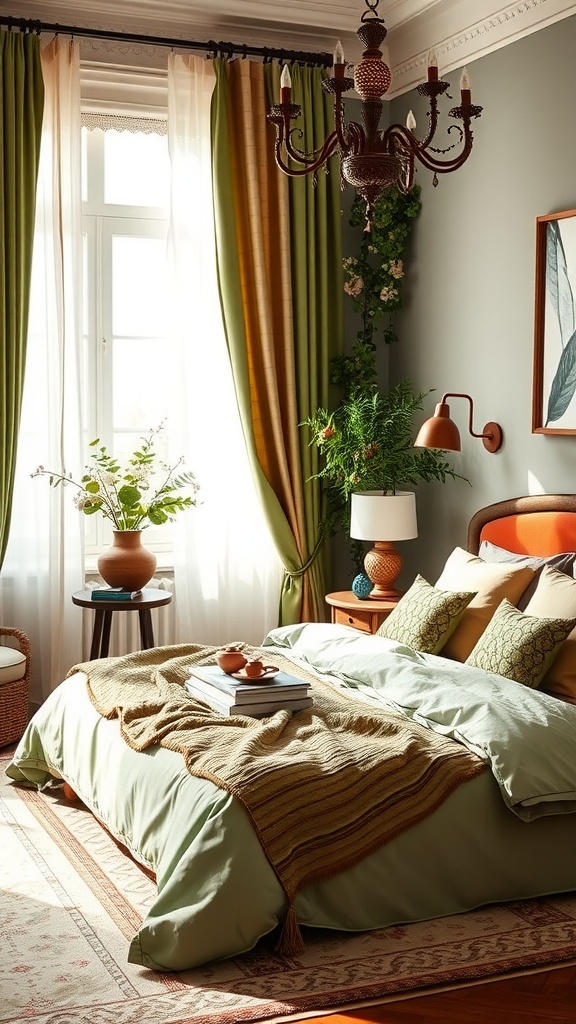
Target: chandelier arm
[
  {"x": 316, "y": 158},
  {"x": 445, "y": 166},
  {"x": 405, "y": 140},
  {"x": 357, "y": 140},
  {"x": 433, "y": 123},
  {"x": 307, "y": 166}
]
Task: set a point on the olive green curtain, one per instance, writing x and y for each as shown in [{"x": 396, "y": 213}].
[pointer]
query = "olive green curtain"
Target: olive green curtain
[
  {"x": 279, "y": 265},
  {"x": 21, "y": 106}
]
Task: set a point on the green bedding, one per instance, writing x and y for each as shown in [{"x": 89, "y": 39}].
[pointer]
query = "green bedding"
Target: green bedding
[
  {"x": 528, "y": 737},
  {"x": 217, "y": 894}
]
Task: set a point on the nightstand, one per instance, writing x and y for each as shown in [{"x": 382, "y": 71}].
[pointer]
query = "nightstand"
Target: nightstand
[
  {"x": 149, "y": 598},
  {"x": 349, "y": 610}
]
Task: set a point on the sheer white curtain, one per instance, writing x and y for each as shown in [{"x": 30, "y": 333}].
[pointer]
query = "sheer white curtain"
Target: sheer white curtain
[
  {"x": 44, "y": 560},
  {"x": 227, "y": 573}
]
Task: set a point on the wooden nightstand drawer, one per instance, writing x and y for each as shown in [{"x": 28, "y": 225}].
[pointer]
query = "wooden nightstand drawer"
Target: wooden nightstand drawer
[
  {"x": 358, "y": 619},
  {"x": 366, "y": 616}
]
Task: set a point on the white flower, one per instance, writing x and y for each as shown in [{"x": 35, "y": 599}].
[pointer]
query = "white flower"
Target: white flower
[
  {"x": 83, "y": 500},
  {"x": 387, "y": 294},
  {"x": 354, "y": 286},
  {"x": 396, "y": 269}
]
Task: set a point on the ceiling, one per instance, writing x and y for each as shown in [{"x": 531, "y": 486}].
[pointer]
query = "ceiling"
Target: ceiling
[{"x": 459, "y": 30}]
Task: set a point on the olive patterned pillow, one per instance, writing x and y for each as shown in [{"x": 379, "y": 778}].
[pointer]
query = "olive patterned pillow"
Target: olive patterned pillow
[
  {"x": 519, "y": 646},
  {"x": 425, "y": 617}
]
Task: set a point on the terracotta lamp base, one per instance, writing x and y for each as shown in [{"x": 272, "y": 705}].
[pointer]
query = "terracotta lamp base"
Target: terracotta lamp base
[{"x": 383, "y": 565}]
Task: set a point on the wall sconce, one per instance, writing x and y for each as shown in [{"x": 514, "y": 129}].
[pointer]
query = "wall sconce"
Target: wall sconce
[
  {"x": 390, "y": 517},
  {"x": 441, "y": 432}
]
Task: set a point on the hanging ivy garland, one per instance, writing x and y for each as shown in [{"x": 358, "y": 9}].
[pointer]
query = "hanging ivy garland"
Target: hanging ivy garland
[{"x": 373, "y": 281}]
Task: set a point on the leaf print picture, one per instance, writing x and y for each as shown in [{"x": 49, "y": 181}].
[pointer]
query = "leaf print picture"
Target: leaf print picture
[{"x": 554, "y": 390}]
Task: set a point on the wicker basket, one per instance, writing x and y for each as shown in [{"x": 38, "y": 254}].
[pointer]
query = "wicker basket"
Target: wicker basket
[{"x": 14, "y": 696}]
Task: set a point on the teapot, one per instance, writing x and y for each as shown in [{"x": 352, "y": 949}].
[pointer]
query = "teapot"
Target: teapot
[{"x": 231, "y": 659}]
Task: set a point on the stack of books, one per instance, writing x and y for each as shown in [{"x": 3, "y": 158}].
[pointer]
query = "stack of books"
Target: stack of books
[{"x": 229, "y": 696}]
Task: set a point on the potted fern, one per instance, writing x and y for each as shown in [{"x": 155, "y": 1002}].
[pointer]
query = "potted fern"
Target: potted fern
[{"x": 366, "y": 445}]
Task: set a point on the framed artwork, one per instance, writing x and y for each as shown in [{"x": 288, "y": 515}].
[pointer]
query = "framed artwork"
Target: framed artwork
[{"x": 554, "y": 382}]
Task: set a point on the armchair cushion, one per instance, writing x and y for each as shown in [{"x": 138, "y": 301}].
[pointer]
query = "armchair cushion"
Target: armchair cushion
[{"x": 12, "y": 665}]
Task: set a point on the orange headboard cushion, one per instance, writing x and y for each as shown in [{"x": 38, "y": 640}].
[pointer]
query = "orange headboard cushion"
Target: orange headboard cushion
[{"x": 533, "y": 533}]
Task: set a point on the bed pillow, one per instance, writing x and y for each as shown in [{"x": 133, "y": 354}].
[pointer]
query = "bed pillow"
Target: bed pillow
[
  {"x": 492, "y": 583},
  {"x": 519, "y": 646},
  {"x": 425, "y": 617},
  {"x": 563, "y": 562},
  {"x": 555, "y": 594}
]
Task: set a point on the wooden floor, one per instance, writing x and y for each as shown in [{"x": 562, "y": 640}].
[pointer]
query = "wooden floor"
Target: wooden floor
[{"x": 547, "y": 998}]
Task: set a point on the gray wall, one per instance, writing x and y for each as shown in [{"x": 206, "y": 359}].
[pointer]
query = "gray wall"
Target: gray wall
[{"x": 467, "y": 324}]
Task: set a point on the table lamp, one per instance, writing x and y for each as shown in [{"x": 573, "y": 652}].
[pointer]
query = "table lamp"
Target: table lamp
[{"x": 389, "y": 518}]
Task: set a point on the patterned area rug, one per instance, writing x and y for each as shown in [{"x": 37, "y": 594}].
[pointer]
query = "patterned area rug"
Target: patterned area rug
[{"x": 72, "y": 900}]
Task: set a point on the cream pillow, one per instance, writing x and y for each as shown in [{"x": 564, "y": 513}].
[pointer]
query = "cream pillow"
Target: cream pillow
[
  {"x": 492, "y": 583},
  {"x": 556, "y": 595}
]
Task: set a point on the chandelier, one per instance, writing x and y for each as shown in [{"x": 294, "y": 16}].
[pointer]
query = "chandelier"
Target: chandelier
[{"x": 372, "y": 159}]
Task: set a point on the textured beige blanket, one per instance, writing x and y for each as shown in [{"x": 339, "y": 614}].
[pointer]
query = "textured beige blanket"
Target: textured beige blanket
[{"x": 323, "y": 788}]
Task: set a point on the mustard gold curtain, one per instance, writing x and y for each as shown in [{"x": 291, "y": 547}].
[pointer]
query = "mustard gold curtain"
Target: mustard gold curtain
[
  {"x": 21, "y": 105},
  {"x": 279, "y": 266}
]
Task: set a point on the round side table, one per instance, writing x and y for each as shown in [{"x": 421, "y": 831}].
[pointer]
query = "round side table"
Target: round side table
[{"x": 148, "y": 599}]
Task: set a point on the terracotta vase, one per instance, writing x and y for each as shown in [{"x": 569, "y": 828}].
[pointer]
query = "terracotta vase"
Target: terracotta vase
[{"x": 127, "y": 563}]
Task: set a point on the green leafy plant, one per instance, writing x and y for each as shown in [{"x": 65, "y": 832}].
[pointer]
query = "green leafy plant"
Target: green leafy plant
[
  {"x": 144, "y": 492},
  {"x": 367, "y": 443}
]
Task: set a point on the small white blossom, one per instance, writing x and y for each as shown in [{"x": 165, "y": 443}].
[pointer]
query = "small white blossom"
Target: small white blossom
[
  {"x": 388, "y": 293},
  {"x": 354, "y": 286}
]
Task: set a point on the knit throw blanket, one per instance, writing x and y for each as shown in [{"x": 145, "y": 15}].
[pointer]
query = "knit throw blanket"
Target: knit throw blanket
[{"x": 323, "y": 788}]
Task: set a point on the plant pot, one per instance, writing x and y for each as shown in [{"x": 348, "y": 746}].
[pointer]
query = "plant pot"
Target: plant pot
[{"x": 127, "y": 564}]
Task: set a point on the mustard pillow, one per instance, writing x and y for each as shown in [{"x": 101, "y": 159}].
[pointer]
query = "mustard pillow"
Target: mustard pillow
[
  {"x": 492, "y": 582},
  {"x": 425, "y": 617},
  {"x": 556, "y": 595},
  {"x": 519, "y": 646}
]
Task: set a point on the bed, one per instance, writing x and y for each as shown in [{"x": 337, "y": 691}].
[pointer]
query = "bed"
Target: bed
[{"x": 507, "y": 831}]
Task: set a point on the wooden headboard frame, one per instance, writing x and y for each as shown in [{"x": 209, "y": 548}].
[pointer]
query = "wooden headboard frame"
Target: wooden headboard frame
[{"x": 539, "y": 524}]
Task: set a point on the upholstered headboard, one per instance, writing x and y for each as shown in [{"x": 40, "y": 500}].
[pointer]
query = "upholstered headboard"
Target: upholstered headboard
[{"x": 539, "y": 524}]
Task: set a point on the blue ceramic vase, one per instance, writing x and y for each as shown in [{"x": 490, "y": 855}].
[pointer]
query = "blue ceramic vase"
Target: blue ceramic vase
[{"x": 361, "y": 586}]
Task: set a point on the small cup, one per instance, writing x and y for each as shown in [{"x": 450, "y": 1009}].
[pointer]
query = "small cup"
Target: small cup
[{"x": 254, "y": 668}]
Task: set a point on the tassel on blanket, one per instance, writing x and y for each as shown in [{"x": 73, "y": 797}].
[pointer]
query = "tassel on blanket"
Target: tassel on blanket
[{"x": 290, "y": 942}]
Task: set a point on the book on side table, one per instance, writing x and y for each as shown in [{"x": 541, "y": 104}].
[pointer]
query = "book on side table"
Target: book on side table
[
  {"x": 230, "y": 696},
  {"x": 115, "y": 594}
]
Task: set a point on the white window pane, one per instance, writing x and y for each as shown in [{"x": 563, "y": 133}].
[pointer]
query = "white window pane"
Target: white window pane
[
  {"x": 136, "y": 169},
  {"x": 138, "y": 286},
  {"x": 142, "y": 383}
]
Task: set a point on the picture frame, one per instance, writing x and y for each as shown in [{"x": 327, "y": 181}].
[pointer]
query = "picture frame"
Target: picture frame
[{"x": 554, "y": 376}]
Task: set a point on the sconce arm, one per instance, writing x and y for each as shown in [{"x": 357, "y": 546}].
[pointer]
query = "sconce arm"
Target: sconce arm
[{"x": 492, "y": 436}]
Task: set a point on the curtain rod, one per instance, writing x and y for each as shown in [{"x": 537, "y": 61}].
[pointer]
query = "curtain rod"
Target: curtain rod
[{"x": 221, "y": 49}]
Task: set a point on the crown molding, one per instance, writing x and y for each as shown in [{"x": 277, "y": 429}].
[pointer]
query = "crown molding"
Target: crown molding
[{"x": 410, "y": 43}]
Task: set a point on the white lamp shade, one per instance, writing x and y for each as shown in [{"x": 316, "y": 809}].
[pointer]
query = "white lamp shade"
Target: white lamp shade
[{"x": 375, "y": 515}]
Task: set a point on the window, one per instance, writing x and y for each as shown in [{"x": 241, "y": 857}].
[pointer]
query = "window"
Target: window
[{"x": 128, "y": 364}]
